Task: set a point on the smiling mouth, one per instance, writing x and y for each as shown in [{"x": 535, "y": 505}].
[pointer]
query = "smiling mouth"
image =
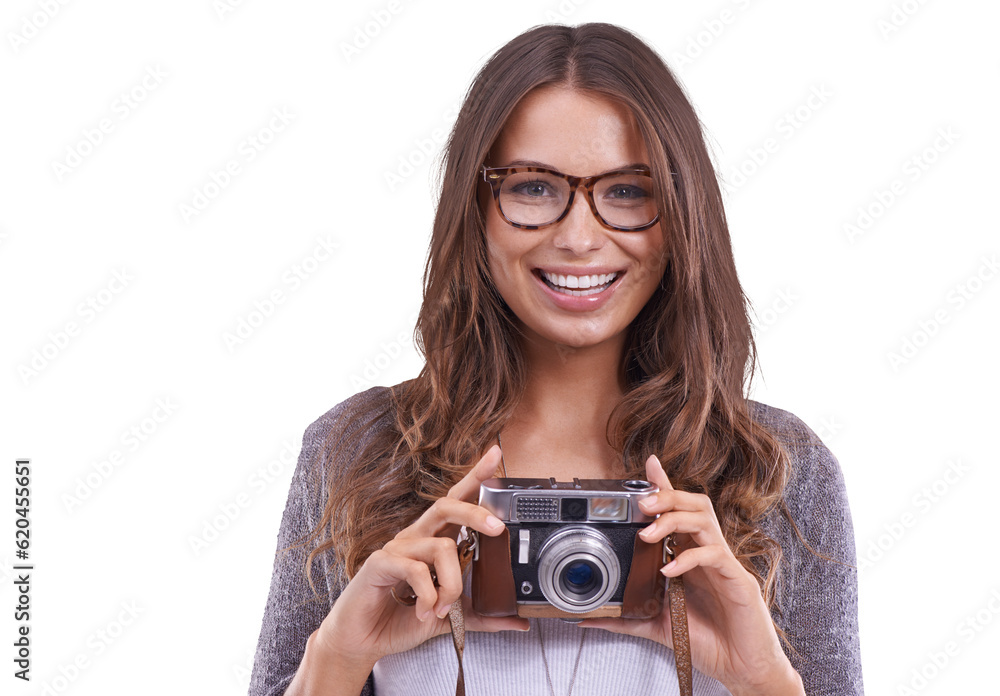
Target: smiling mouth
[{"x": 579, "y": 286}]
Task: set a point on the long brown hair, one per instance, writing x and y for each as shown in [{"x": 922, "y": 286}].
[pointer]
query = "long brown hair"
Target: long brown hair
[{"x": 689, "y": 353}]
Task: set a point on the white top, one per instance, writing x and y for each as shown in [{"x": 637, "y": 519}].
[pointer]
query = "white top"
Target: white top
[{"x": 509, "y": 663}]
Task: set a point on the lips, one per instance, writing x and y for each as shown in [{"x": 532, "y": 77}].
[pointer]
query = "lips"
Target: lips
[
  {"x": 578, "y": 289},
  {"x": 579, "y": 285}
]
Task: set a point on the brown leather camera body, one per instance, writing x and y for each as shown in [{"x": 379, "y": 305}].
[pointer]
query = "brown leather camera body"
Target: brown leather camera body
[{"x": 497, "y": 592}]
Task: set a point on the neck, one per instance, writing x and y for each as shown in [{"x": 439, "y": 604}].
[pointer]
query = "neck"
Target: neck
[
  {"x": 575, "y": 384},
  {"x": 559, "y": 425}
]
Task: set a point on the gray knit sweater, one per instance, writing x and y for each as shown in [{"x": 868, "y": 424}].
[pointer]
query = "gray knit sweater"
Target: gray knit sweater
[{"x": 817, "y": 599}]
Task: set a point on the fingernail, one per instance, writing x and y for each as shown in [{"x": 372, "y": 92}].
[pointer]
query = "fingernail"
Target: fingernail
[
  {"x": 669, "y": 567},
  {"x": 493, "y": 523},
  {"x": 644, "y": 533},
  {"x": 442, "y": 612},
  {"x": 645, "y": 503}
]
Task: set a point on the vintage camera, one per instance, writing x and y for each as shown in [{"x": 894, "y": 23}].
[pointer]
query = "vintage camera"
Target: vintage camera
[{"x": 570, "y": 550}]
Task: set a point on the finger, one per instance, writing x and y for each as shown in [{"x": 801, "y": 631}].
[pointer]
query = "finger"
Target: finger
[
  {"x": 668, "y": 498},
  {"x": 715, "y": 556},
  {"x": 485, "y": 468},
  {"x": 448, "y": 513},
  {"x": 390, "y": 570},
  {"x": 702, "y": 527},
  {"x": 440, "y": 553},
  {"x": 449, "y": 576}
]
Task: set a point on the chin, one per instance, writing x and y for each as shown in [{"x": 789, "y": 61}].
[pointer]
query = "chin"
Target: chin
[{"x": 577, "y": 340}]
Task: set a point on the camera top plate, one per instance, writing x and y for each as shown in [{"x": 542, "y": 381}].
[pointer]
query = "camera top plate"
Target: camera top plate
[{"x": 579, "y": 501}]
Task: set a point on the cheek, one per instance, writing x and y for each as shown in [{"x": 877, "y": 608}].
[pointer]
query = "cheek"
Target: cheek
[
  {"x": 501, "y": 257},
  {"x": 506, "y": 248},
  {"x": 651, "y": 253}
]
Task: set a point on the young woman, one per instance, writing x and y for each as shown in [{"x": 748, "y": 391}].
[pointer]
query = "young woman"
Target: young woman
[{"x": 582, "y": 311}]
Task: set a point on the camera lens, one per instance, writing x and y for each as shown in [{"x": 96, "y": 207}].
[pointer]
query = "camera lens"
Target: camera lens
[
  {"x": 578, "y": 570},
  {"x": 579, "y": 575},
  {"x": 579, "y": 579}
]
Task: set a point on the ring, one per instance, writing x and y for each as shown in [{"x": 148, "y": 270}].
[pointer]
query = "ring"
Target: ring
[{"x": 405, "y": 601}]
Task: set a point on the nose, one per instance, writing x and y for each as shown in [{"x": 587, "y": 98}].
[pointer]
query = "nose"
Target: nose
[{"x": 579, "y": 232}]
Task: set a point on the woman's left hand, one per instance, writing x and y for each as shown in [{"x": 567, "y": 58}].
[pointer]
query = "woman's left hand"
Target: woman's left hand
[{"x": 732, "y": 637}]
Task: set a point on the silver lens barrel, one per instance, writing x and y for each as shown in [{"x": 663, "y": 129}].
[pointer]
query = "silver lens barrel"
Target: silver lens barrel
[{"x": 578, "y": 570}]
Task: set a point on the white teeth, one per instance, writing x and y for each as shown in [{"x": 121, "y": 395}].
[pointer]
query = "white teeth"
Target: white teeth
[{"x": 580, "y": 285}]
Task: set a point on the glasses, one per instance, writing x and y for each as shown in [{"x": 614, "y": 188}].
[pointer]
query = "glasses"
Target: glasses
[{"x": 534, "y": 197}]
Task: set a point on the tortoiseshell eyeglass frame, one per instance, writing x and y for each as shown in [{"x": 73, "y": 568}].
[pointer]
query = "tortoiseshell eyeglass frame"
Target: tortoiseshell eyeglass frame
[{"x": 495, "y": 176}]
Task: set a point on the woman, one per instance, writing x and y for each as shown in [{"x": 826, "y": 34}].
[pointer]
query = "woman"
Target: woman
[{"x": 591, "y": 328}]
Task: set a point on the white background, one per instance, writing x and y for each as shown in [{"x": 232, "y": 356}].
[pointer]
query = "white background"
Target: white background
[{"x": 832, "y": 304}]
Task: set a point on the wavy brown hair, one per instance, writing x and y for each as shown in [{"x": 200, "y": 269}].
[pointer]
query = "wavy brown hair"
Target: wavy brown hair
[{"x": 689, "y": 353}]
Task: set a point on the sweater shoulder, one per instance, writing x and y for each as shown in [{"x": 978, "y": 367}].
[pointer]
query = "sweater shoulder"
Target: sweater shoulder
[
  {"x": 815, "y": 493},
  {"x": 367, "y": 409},
  {"x": 786, "y": 426},
  {"x": 336, "y": 437},
  {"x": 817, "y": 583},
  {"x": 811, "y": 460}
]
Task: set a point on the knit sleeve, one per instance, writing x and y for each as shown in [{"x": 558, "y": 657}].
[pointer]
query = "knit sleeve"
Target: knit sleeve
[
  {"x": 293, "y": 612},
  {"x": 817, "y": 589}
]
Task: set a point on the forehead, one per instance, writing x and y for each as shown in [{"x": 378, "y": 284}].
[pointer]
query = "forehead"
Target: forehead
[{"x": 577, "y": 132}]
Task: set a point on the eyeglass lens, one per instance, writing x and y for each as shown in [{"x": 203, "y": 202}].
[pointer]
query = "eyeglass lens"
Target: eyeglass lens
[{"x": 538, "y": 198}]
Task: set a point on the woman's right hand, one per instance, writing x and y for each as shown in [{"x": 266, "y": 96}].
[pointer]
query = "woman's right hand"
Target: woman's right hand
[{"x": 366, "y": 623}]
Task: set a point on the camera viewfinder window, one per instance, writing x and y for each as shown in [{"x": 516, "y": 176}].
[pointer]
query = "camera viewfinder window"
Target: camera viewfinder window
[{"x": 609, "y": 509}]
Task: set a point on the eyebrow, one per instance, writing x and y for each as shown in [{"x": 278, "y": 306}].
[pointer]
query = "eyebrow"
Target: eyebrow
[{"x": 535, "y": 163}]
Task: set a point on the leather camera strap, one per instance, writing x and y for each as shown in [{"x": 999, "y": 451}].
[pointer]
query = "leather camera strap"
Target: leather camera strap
[
  {"x": 457, "y": 617},
  {"x": 679, "y": 630},
  {"x": 678, "y": 624}
]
